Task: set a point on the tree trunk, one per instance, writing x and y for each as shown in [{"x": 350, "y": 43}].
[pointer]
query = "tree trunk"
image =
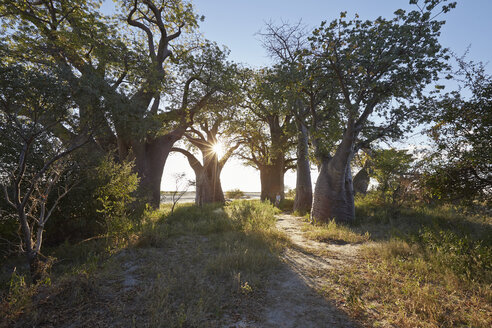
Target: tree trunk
[
  {"x": 272, "y": 181},
  {"x": 35, "y": 266},
  {"x": 304, "y": 189},
  {"x": 208, "y": 185},
  {"x": 333, "y": 194},
  {"x": 361, "y": 181},
  {"x": 150, "y": 158}
]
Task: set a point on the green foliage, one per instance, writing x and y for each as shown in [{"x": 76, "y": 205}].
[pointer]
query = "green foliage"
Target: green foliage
[
  {"x": 434, "y": 260},
  {"x": 115, "y": 194},
  {"x": 268, "y": 127},
  {"x": 245, "y": 215},
  {"x": 286, "y": 204},
  {"x": 466, "y": 257},
  {"x": 459, "y": 168},
  {"x": 291, "y": 193},
  {"x": 234, "y": 194},
  {"x": 17, "y": 295},
  {"x": 372, "y": 69},
  {"x": 391, "y": 169},
  {"x": 332, "y": 232},
  {"x": 252, "y": 215},
  {"x": 219, "y": 255}
]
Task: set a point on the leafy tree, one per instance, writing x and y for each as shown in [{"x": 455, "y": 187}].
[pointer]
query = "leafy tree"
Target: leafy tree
[
  {"x": 267, "y": 131},
  {"x": 460, "y": 168},
  {"x": 285, "y": 43},
  {"x": 379, "y": 70},
  {"x": 115, "y": 195},
  {"x": 119, "y": 70},
  {"x": 33, "y": 160},
  {"x": 391, "y": 169},
  {"x": 215, "y": 137}
]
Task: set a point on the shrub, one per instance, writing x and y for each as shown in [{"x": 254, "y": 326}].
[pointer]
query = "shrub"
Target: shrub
[
  {"x": 286, "y": 204},
  {"x": 466, "y": 257},
  {"x": 252, "y": 215},
  {"x": 291, "y": 193},
  {"x": 234, "y": 194},
  {"x": 114, "y": 196}
]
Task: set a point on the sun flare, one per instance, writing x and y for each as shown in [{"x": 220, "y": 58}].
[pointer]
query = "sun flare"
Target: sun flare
[{"x": 218, "y": 148}]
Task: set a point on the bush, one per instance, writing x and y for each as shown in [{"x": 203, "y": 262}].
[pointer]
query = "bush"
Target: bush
[
  {"x": 114, "y": 195},
  {"x": 286, "y": 204},
  {"x": 466, "y": 257},
  {"x": 234, "y": 194},
  {"x": 252, "y": 214},
  {"x": 291, "y": 193}
]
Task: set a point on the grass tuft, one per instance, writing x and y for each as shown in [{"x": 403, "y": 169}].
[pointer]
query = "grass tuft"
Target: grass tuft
[{"x": 332, "y": 232}]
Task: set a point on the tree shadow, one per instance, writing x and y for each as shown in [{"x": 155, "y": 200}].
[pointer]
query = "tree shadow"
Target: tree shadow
[{"x": 294, "y": 297}]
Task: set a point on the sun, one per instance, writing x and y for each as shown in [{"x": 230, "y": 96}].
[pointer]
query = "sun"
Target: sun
[{"x": 218, "y": 148}]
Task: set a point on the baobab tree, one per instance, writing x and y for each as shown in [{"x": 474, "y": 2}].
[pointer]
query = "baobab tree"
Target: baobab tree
[
  {"x": 215, "y": 137},
  {"x": 119, "y": 72},
  {"x": 268, "y": 131},
  {"x": 380, "y": 68},
  {"x": 285, "y": 43}
]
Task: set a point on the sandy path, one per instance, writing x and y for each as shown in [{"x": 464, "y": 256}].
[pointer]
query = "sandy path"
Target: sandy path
[{"x": 292, "y": 300}]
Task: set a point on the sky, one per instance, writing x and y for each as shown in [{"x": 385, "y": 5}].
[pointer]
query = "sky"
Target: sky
[{"x": 234, "y": 23}]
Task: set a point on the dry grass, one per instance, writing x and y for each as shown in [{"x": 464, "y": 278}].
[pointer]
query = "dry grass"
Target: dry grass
[
  {"x": 389, "y": 290},
  {"x": 427, "y": 267}
]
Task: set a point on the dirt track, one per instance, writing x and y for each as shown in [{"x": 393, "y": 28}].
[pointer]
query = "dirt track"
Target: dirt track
[{"x": 292, "y": 300}]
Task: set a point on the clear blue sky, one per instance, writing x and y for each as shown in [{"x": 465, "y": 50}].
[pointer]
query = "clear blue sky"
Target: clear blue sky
[{"x": 233, "y": 23}]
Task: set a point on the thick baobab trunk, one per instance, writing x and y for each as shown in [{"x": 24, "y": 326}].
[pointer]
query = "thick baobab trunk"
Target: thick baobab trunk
[
  {"x": 361, "y": 181},
  {"x": 272, "y": 181},
  {"x": 304, "y": 189},
  {"x": 150, "y": 158},
  {"x": 208, "y": 185},
  {"x": 333, "y": 194}
]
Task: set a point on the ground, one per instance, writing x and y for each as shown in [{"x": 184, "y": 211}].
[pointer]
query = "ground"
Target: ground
[
  {"x": 246, "y": 265},
  {"x": 293, "y": 300}
]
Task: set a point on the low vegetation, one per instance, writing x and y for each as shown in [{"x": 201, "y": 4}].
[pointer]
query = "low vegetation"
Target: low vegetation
[
  {"x": 333, "y": 233},
  {"x": 94, "y": 99},
  {"x": 192, "y": 268},
  {"x": 234, "y": 194},
  {"x": 427, "y": 267}
]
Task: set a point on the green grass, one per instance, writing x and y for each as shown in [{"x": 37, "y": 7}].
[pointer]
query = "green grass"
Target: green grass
[
  {"x": 417, "y": 266},
  {"x": 332, "y": 232},
  {"x": 193, "y": 268}
]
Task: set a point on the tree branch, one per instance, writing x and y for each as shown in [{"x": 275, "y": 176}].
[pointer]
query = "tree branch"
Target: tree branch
[{"x": 194, "y": 162}]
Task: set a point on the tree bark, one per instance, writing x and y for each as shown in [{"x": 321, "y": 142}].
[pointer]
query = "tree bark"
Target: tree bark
[
  {"x": 333, "y": 194},
  {"x": 150, "y": 158},
  {"x": 304, "y": 188},
  {"x": 208, "y": 185},
  {"x": 35, "y": 266},
  {"x": 272, "y": 180},
  {"x": 361, "y": 181}
]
